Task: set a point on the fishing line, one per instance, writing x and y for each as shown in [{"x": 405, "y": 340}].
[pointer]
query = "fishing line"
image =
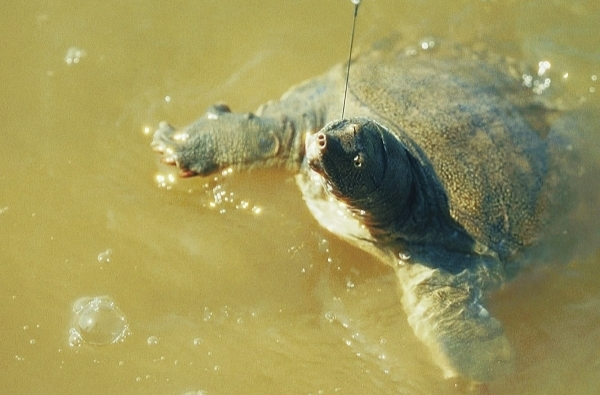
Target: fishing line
[{"x": 356, "y": 4}]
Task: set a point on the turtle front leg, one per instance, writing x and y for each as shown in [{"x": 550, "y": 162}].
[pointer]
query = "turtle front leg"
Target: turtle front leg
[
  {"x": 221, "y": 139},
  {"x": 446, "y": 313}
]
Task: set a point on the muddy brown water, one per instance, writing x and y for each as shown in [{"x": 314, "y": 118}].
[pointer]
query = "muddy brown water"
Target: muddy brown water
[{"x": 227, "y": 285}]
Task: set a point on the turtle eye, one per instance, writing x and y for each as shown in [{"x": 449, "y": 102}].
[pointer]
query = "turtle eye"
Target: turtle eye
[{"x": 358, "y": 161}]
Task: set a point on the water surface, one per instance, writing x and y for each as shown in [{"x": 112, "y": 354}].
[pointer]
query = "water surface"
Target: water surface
[{"x": 227, "y": 285}]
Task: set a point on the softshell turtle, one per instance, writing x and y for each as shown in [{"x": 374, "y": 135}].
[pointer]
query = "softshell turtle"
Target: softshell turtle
[{"x": 445, "y": 170}]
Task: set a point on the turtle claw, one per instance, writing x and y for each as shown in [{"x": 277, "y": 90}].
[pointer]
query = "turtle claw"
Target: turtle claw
[
  {"x": 162, "y": 138},
  {"x": 160, "y": 149},
  {"x": 183, "y": 148},
  {"x": 169, "y": 160},
  {"x": 165, "y": 142},
  {"x": 187, "y": 173}
]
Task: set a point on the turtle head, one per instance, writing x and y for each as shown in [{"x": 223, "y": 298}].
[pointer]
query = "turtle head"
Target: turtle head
[
  {"x": 365, "y": 167},
  {"x": 350, "y": 155},
  {"x": 376, "y": 175}
]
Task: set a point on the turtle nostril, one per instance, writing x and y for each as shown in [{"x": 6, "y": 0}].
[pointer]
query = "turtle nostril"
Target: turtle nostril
[{"x": 321, "y": 140}]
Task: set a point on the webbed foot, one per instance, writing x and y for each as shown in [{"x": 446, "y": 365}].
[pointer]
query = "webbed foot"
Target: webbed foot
[
  {"x": 220, "y": 139},
  {"x": 192, "y": 148}
]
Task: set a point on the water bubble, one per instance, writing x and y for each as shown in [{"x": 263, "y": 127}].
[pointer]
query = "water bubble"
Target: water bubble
[
  {"x": 165, "y": 180},
  {"x": 330, "y": 316},
  {"x": 540, "y": 86},
  {"x": 75, "y": 339},
  {"x": 324, "y": 245},
  {"x": 74, "y": 55},
  {"x": 427, "y": 44},
  {"x": 198, "y": 341},
  {"x": 543, "y": 66},
  {"x": 152, "y": 340},
  {"x": 243, "y": 205},
  {"x": 410, "y": 51},
  {"x": 207, "y": 315},
  {"x": 98, "y": 321},
  {"x": 104, "y": 257},
  {"x": 219, "y": 198}
]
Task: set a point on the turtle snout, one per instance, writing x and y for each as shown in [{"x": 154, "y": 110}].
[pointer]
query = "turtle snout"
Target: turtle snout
[
  {"x": 315, "y": 147},
  {"x": 321, "y": 141}
]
